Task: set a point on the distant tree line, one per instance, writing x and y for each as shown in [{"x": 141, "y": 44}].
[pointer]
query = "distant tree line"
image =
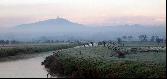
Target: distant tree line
[
  {"x": 119, "y": 40},
  {"x": 4, "y": 42},
  {"x": 142, "y": 38}
]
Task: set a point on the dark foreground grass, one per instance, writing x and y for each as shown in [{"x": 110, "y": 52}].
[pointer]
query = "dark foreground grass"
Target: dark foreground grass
[{"x": 78, "y": 65}]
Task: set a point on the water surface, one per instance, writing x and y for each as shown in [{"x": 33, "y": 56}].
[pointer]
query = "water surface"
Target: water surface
[{"x": 24, "y": 68}]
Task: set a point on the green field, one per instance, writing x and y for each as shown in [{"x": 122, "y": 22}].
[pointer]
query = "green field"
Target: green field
[
  {"x": 18, "y": 49},
  {"x": 102, "y": 62}
]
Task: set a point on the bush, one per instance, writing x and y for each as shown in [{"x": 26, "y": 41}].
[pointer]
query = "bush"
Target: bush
[{"x": 69, "y": 63}]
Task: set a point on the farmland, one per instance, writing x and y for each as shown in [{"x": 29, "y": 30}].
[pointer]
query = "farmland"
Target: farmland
[
  {"x": 13, "y": 51},
  {"x": 148, "y": 60}
]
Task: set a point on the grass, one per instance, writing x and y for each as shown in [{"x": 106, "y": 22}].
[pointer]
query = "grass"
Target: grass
[
  {"x": 30, "y": 49},
  {"x": 96, "y": 62}
]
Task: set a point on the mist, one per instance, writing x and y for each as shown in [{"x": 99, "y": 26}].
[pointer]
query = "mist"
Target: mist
[{"x": 62, "y": 29}]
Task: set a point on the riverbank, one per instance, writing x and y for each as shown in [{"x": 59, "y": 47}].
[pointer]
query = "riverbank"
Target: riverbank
[
  {"x": 20, "y": 52},
  {"x": 23, "y": 56},
  {"x": 29, "y": 67},
  {"x": 97, "y": 62}
]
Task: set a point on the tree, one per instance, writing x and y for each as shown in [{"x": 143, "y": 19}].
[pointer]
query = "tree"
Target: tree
[
  {"x": 119, "y": 40},
  {"x": 152, "y": 39},
  {"x": 159, "y": 40},
  {"x": 100, "y": 43},
  {"x": 2, "y": 42},
  {"x": 143, "y": 37},
  {"x": 130, "y": 38},
  {"x": 13, "y": 42},
  {"x": 165, "y": 40},
  {"x": 124, "y": 37},
  {"x": 47, "y": 41},
  {"x": 7, "y": 42},
  {"x": 104, "y": 43},
  {"x": 52, "y": 41}
]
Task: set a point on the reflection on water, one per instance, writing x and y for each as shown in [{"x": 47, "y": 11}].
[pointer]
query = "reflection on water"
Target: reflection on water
[{"x": 26, "y": 68}]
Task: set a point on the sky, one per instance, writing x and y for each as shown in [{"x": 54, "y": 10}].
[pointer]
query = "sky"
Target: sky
[{"x": 89, "y": 12}]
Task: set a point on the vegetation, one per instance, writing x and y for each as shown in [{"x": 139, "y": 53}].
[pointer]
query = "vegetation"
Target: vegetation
[
  {"x": 103, "y": 62},
  {"x": 30, "y": 49}
]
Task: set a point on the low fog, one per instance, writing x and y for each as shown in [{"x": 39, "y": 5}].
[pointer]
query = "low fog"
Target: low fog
[{"x": 62, "y": 29}]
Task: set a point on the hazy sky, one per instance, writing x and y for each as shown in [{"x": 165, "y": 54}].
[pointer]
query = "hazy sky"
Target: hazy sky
[{"x": 98, "y": 12}]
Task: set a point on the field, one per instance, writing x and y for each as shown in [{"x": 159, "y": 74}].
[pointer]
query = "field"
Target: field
[
  {"x": 12, "y": 51},
  {"x": 104, "y": 62}
]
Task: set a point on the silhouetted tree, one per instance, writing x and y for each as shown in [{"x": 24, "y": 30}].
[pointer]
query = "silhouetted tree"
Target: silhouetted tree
[
  {"x": 52, "y": 41},
  {"x": 159, "y": 40},
  {"x": 152, "y": 38},
  {"x": 130, "y": 38},
  {"x": 143, "y": 37},
  {"x": 104, "y": 43},
  {"x": 119, "y": 40},
  {"x": 7, "y": 42},
  {"x": 164, "y": 40},
  {"x": 13, "y": 42},
  {"x": 100, "y": 43},
  {"x": 2, "y": 42},
  {"x": 124, "y": 37}
]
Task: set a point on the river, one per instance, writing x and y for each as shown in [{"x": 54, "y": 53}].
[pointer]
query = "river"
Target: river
[{"x": 24, "y": 68}]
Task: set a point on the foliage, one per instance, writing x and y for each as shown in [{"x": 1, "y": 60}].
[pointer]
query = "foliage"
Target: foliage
[
  {"x": 12, "y": 51},
  {"x": 96, "y": 62}
]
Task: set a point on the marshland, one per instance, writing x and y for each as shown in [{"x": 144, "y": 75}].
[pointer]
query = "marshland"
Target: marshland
[
  {"x": 108, "y": 60},
  {"x": 82, "y": 38},
  {"x": 24, "y": 60},
  {"x": 120, "y": 58}
]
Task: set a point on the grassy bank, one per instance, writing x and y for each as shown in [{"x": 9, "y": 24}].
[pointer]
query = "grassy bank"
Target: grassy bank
[
  {"x": 97, "y": 62},
  {"x": 30, "y": 49}
]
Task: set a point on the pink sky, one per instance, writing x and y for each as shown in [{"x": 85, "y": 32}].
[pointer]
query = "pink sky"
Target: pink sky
[{"x": 97, "y": 12}]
